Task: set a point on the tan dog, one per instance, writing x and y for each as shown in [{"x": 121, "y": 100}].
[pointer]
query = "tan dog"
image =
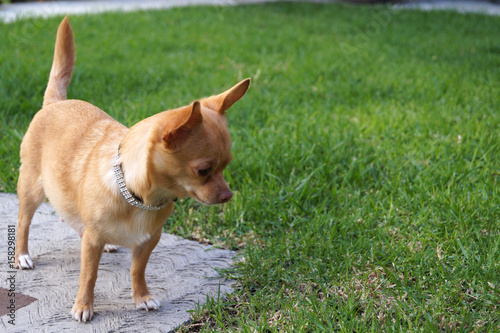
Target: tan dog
[{"x": 116, "y": 185}]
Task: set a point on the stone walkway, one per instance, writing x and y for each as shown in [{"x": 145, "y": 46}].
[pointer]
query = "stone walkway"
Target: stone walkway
[
  {"x": 180, "y": 274},
  {"x": 459, "y": 6},
  {"x": 12, "y": 12}
]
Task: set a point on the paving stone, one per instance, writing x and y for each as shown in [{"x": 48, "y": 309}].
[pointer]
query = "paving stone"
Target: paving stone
[{"x": 180, "y": 273}]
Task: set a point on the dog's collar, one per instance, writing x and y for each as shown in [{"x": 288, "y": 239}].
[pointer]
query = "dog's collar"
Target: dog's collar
[{"x": 129, "y": 197}]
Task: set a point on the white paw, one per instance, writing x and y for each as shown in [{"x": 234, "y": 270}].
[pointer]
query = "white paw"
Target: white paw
[
  {"x": 150, "y": 304},
  {"x": 25, "y": 262},
  {"x": 82, "y": 313},
  {"x": 110, "y": 248}
]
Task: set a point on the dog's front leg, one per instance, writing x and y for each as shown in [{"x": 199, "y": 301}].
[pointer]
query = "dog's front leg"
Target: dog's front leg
[
  {"x": 92, "y": 247},
  {"x": 140, "y": 257}
]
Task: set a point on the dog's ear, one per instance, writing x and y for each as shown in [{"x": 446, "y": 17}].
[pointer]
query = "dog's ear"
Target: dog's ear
[
  {"x": 224, "y": 101},
  {"x": 180, "y": 124}
]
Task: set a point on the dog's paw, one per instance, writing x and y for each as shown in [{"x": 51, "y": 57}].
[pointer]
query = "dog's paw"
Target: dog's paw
[
  {"x": 147, "y": 303},
  {"x": 24, "y": 262},
  {"x": 82, "y": 312},
  {"x": 110, "y": 248}
]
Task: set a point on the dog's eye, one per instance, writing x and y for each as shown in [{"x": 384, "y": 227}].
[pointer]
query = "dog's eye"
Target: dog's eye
[{"x": 204, "y": 172}]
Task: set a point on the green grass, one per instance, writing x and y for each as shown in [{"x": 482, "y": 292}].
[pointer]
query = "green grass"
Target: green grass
[{"x": 366, "y": 152}]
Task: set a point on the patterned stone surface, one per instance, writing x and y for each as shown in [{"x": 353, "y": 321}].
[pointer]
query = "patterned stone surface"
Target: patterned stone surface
[{"x": 180, "y": 274}]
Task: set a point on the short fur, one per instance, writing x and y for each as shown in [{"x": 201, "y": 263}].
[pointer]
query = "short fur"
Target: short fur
[{"x": 68, "y": 153}]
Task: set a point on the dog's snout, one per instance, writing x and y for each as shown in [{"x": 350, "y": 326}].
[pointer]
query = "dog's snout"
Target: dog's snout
[{"x": 225, "y": 196}]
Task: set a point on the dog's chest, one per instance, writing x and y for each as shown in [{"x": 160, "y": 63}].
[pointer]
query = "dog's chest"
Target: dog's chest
[{"x": 134, "y": 230}]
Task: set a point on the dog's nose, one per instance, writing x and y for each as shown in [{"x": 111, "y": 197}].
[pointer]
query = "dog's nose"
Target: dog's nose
[{"x": 225, "y": 196}]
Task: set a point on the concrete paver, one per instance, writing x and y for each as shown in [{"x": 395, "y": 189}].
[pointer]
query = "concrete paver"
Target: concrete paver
[{"x": 180, "y": 273}]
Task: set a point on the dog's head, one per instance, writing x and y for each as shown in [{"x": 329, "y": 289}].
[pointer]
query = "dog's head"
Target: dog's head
[{"x": 194, "y": 148}]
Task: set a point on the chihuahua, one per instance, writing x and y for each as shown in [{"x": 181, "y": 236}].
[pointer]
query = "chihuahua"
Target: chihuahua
[{"x": 113, "y": 184}]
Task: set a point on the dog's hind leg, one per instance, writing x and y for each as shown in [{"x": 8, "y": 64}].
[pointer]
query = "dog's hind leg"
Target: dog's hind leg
[
  {"x": 30, "y": 193},
  {"x": 110, "y": 248}
]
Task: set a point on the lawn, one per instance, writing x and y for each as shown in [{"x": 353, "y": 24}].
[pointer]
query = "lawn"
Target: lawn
[{"x": 366, "y": 152}]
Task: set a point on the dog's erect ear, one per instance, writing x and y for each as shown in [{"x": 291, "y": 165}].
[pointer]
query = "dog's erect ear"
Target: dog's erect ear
[
  {"x": 224, "y": 101},
  {"x": 181, "y": 123}
]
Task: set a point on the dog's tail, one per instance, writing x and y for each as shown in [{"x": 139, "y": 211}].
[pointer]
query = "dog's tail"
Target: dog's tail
[{"x": 62, "y": 67}]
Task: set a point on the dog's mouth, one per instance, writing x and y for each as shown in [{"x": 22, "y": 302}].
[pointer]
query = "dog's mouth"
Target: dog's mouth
[{"x": 197, "y": 198}]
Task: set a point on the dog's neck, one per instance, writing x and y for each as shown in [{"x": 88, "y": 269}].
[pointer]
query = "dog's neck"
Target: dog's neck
[
  {"x": 134, "y": 157},
  {"x": 129, "y": 196}
]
